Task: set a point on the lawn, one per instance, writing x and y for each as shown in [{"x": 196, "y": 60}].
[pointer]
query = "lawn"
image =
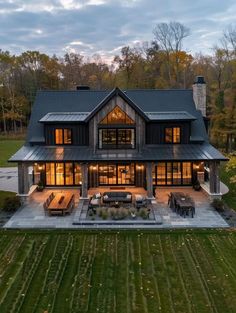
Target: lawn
[
  {"x": 7, "y": 149},
  {"x": 3, "y": 195},
  {"x": 230, "y": 197},
  {"x": 119, "y": 272}
]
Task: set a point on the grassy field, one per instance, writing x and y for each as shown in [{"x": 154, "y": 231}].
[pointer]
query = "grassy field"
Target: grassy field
[
  {"x": 3, "y": 195},
  {"x": 229, "y": 198},
  {"x": 7, "y": 148},
  {"x": 119, "y": 272}
]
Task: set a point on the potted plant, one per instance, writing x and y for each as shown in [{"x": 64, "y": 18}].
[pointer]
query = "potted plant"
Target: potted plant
[
  {"x": 196, "y": 185},
  {"x": 40, "y": 186}
]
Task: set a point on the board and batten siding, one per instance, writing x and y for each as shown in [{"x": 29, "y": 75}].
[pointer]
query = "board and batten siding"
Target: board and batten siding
[
  {"x": 80, "y": 134},
  {"x": 101, "y": 114},
  {"x": 155, "y": 131}
]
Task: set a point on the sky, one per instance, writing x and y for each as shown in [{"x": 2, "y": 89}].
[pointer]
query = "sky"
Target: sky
[{"x": 104, "y": 26}]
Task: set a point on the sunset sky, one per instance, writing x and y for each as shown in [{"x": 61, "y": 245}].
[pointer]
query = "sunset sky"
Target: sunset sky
[{"x": 104, "y": 26}]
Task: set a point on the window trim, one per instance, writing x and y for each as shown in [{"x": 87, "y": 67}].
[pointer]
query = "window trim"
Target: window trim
[
  {"x": 44, "y": 171},
  {"x": 63, "y": 136},
  {"x": 172, "y": 134},
  {"x": 117, "y": 146},
  {"x": 172, "y": 178}
]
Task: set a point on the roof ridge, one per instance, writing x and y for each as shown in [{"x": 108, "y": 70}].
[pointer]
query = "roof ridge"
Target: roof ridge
[
  {"x": 109, "y": 90},
  {"x": 76, "y": 91}
]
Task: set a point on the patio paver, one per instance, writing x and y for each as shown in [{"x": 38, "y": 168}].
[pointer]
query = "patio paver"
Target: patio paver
[{"x": 32, "y": 215}]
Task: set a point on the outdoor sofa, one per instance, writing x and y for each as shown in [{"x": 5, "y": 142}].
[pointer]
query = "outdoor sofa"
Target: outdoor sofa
[{"x": 117, "y": 196}]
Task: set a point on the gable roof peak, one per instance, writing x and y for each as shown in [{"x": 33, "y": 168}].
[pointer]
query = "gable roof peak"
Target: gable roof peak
[{"x": 117, "y": 92}]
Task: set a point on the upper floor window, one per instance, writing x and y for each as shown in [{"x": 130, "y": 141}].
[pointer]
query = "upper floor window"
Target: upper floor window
[
  {"x": 172, "y": 135},
  {"x": 117, "y": 116},
  {"x": 116, "y": 138},
  {"x": 63, "y": 136}
]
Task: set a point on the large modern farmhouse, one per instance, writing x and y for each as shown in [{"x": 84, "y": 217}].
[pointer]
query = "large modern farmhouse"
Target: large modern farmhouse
[{"x": 141, "y": 138}]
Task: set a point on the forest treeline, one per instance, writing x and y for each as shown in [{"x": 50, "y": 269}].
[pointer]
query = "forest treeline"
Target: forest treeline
[{"x": 161, "y": 63}]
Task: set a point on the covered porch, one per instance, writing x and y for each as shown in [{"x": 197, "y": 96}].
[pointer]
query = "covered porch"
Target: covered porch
[{"x": 145, "y": 175}]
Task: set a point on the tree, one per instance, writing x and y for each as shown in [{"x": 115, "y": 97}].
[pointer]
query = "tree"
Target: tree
[{"x": 169, "y": 37}]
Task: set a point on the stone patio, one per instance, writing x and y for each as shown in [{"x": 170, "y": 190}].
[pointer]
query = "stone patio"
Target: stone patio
[{"x": 32, "y": 215}]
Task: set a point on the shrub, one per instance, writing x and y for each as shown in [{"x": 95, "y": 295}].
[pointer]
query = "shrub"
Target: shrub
[
  {"x": 11, "y": 204},
  {"x": 196, "y": 185},
  {"x": 112, "y": 212},
  {"x": 104, "y": 215},
  {"x": 144, "y": 213},
  {"x": 90, "y": 212},
  {"x": 218, "y": 204},
  {"x": 123, "y": 213},
  {"x": 40, "y": 186}
]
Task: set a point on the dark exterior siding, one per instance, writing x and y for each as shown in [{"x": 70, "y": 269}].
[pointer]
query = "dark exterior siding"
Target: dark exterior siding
[
  {"x": 155, "y": 132},
  {"x": 80, "y": 133}
]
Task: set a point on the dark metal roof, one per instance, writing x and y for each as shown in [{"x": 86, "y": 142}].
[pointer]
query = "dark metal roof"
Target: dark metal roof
[
  {"x": 117, "y": 92},
  {"x": 170, "y": 116},
  {"x": 64, "y": 117},
  {"x": 164, "y": 152},
  {"x": 84, "y": 101}
]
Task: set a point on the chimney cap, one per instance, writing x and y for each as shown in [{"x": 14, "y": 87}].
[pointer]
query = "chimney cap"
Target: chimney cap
[
  {"x": 199, "y": 80},
  {"x": 82, "y": 87}
]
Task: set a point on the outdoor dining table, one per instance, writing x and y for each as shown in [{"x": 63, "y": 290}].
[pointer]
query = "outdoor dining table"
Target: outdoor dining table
[
  {"x": 182, "y": 204},
  {"x": 60, "y": 202}
]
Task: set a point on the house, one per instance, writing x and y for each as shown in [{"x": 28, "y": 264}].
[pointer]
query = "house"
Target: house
[{"x": 142, "y": 138}]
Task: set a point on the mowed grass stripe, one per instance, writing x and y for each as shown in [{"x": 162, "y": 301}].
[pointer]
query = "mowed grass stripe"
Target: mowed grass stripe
[
  {"x": 15, "y": 296},
  {"x": 205, "y": 272},
  {"x": 197, "y": 293},
  {"x": 150, "y": 288},
  {"x": 35, "y": 288},
  {"x": 66, "y": 287},
  {"x": 118, "y": 272},
  {"x": 177, "y": 292},
  {"x": 8, "y": 256},
  {"x": 12, "y": 265},
  {"x": 54, "y": 273},
  {"x": 102, "y": 284},
  {"x": 221, "y": 269},
  {"x": 180, "y": 278},
  {"x": 229, "y": 256},
  {"x": 84, "y": 281}
]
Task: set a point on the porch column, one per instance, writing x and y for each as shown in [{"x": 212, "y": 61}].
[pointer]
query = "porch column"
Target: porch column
[
  {"x": 84, "y": 173},
  {"x": 23, "y": 179},
  {"x": 214, "y": 178},
  {"x": 149, "y": 179}
]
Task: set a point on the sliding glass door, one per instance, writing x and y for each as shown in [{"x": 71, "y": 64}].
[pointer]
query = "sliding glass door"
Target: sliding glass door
[
  {"x": 172, "y": 173},
  {"x": 62, "y": 174},
  {"x": 116, "y": 174}
]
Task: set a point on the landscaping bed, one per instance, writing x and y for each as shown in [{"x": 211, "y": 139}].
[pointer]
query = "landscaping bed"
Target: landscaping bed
[
  {"x": 5, "y": 215},
  {"x": 118, "y": 271}
]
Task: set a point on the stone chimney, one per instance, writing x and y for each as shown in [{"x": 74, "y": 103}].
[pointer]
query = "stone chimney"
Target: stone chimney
[{"x": 199, "y": 94}]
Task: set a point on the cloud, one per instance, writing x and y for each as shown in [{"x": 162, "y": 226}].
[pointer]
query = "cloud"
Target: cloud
[{"x": 104, "y": 26}]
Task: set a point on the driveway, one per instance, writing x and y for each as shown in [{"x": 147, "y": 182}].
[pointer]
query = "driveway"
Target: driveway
[{"x": 8, "y": 179}]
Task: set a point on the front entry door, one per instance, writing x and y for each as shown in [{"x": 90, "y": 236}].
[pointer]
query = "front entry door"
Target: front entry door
[{"x": 125, "y": 174}]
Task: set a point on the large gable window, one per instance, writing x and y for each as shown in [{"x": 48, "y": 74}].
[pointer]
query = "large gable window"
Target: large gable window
[
  {"x": 116, "y": 131},
  {"x": 63, "y": 136},
  {"x": 117, "y": 116},
  {"x": 116, "y": 138}
]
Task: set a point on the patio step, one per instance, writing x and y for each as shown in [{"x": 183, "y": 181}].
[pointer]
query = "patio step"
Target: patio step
[{"x": 112, "y": 222}]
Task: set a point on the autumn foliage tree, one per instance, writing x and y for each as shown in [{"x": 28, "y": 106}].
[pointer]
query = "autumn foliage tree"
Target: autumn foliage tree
[{"x": 161, "y": 63}]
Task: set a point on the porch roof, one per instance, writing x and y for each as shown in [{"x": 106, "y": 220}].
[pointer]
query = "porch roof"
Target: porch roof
[{"x": 164, "y": 152}]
